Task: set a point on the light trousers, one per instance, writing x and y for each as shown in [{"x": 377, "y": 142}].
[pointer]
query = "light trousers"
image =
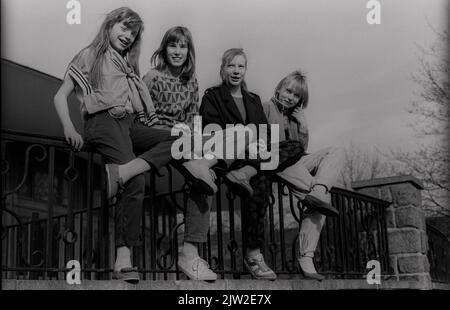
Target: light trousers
[{"x": 322, "y": 167}]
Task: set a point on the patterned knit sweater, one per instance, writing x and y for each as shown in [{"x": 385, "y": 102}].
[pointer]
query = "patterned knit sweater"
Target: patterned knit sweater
[{"x": 175, "y": 102}]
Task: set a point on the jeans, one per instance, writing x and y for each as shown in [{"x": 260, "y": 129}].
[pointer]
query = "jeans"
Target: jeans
[{"x": 118, "y": 139}]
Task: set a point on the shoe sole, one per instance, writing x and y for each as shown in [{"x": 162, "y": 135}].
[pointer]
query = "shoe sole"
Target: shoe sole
[
  {"x": 256, "y": 277},
  {"x": 325, "y": 211},
  {"x": 197, "y": 184},
  {"x": 307, "y": 275},
  {"x": 193, "y": 278},
  {"x": 130, "y": 277},
  {"x": 112, "y": 200}
]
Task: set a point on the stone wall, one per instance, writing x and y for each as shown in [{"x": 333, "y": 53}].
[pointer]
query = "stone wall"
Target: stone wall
[{"x": 407, "y": 238}]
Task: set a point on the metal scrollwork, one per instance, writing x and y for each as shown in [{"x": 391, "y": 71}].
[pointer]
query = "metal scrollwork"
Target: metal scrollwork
[
  {"x": 5, "y": 166},
  {"x": 71, "y": 174},
  {"x": 26, "y": 167},
  {"x": 69, "y": 236},
  {"x": 171, "y": 251}
]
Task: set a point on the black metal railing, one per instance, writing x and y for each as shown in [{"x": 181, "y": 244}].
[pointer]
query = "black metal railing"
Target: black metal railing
[
  {"x": 54, "y": 210},
  {"x": 438, "y": 255}
]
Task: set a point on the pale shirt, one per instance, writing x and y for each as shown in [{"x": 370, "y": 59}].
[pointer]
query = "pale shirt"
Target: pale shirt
[{"x": 120, "y": 86}]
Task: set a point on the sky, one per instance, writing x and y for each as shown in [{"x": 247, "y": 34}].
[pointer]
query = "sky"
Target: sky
[{"x": 359, "y": 75}]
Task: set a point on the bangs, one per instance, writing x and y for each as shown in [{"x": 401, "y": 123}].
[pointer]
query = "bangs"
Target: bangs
[
  {"x": 177, "y": 36},
  {"x": 132, "y": 23},
  {"x": 295, "y": 83},
  {"x": 297, "y": 86}
]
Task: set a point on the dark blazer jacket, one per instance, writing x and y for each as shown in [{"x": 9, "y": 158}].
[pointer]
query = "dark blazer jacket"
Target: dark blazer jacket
[{"x": 218, "y": 107}]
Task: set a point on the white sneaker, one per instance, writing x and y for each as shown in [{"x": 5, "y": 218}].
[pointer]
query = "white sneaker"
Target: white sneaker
[{"x": 196, "y": 269}]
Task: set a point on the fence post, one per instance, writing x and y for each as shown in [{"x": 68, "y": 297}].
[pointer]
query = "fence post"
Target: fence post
[{"x": 408, "y": 243}]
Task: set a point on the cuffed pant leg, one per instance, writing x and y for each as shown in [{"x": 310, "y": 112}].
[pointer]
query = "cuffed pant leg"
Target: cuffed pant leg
[
  {"x": 310, "y": 232},
  {"x": 196, "y": 221}
]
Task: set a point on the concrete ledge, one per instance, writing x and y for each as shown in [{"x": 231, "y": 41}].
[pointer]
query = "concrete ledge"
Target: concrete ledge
[
  {"x": 441, "y": 286},
  {"x": 218, "y": 285}
]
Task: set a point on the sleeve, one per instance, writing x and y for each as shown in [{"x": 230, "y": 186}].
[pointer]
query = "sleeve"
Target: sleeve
[
  {"x": 301, "y": 131},
  {"x": 149, "y": 81},
  {"x": 192, "y": 108},
  {"x": 304, "y": 139},
  {"x": 209, "y": 111},
  {"x": 78, "y": 70}
]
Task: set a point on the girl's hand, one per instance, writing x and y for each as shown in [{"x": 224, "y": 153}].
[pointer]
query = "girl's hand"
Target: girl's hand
[
  {"x": 73, "y": 138},
  {"x": 181, "y": 127},
  {"x": 299, "y": 115}
]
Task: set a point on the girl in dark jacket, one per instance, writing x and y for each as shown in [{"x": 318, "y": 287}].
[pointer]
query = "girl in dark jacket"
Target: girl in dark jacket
[{"x": 231, "y": 103}]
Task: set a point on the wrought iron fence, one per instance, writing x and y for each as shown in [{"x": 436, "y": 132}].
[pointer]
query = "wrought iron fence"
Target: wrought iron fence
[
  {"x": 438, "y": 255},
  {"x": 54, "y": 210}
]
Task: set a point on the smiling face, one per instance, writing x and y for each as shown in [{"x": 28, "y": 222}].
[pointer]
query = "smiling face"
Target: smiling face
[
  {"x": 234, "y": 71},
  {"x": 176, "y": 53},
  {"x": 289, "y": 94},
  {"x": 121, "y": 37}
]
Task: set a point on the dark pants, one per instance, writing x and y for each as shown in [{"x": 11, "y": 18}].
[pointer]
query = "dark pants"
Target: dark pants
[
  {"x": 196, "y": 218},
  {"x": 254, "y": 211},
  {"x": 118, "y": 140}
]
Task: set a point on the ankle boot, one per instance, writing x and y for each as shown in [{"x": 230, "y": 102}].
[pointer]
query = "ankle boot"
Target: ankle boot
[
  {"x": 306, "y": 265},
  {"x": 241, "y": 177}
]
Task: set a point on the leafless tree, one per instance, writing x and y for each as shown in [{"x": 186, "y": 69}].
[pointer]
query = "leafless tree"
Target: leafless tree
[
  {"x": 430, "y": 111},
  {"x": 363, "y": 163}
]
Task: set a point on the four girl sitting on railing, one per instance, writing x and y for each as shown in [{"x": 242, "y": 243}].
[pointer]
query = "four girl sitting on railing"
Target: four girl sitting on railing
[{"x": 129, "y": 120}]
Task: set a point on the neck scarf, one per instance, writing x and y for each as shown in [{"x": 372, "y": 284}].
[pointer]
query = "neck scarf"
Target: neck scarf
[{"x": 139, "y": 94}]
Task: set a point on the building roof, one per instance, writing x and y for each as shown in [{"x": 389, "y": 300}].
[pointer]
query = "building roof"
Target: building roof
[{"x": 27, "y": 101}]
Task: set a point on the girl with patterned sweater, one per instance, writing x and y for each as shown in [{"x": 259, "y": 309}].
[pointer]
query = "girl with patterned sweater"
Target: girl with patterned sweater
[{"x": 173, "y": 86}]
